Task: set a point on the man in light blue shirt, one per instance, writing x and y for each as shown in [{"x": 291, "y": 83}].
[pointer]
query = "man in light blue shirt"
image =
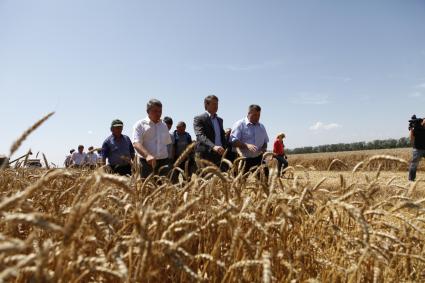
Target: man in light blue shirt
[{"x": 250, "y": 136}]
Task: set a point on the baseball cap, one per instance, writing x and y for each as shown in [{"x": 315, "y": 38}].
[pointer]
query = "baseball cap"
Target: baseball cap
[{"x": 117, "y": 123}]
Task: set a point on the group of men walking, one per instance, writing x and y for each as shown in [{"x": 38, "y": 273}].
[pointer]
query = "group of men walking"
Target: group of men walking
[
  {"x": 79, "y": 158},
  {"x": 157, "y": 149}
]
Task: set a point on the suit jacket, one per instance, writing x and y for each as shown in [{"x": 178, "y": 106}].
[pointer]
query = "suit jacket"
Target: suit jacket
[{"x": 205, "y": 135}]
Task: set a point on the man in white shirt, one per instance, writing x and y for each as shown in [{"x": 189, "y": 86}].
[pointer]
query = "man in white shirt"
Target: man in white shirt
[
  {"x": 91, "y": 158},
  {"x": 67, "y": 162},
  {"x": 150, "y": 140},
  {"x": 78, "y": 157}
]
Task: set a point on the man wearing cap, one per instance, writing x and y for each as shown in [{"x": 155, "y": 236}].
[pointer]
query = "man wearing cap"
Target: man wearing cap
[
  {"x": 118, "y": 149},
  {"x": 150, "y": 140},
  {"x": 251, "y": 137}
]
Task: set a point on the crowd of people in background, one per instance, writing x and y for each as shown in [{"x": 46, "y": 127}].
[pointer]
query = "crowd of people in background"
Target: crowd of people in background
[
  {"x": 79, "y": 158},
  {"x": 158, "y": 148}
]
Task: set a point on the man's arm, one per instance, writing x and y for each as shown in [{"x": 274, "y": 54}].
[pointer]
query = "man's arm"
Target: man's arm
[
  {"x": 132, "y": 151},
  {"x": 235, "y": 138},
  {"x": 141, "y": 149},
  {"x": 199, "y": 128},
  {"x": 222, "y": 133},
  {"x": 412, "y": 137},
  {"x": 150, "y": 159},
  {"x": 104, "y": 152},
  {"x": 264, "y": 147},
  {"x": 238, "y": 143},
  {"x": 71, "y": 162},
  {"x": 138, "y": 132}
]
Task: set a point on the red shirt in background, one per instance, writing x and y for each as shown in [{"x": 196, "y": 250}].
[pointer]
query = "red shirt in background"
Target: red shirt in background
[{"x": 278, "y": 147}]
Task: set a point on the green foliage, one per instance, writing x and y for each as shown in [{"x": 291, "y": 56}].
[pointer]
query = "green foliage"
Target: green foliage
[{"x": 376, "y": 144}]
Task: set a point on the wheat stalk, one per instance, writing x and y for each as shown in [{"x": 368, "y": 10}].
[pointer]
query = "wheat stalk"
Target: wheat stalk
[{"x": 25, "y": 134}]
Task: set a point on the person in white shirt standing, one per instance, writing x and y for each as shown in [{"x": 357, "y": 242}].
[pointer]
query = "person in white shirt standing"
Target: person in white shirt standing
[
  {"x": 150, "y": 140},
  {"x": 67, "y": 162},
  {"x": 91, "y": 158},
  {"x": 78, "y": 157}
]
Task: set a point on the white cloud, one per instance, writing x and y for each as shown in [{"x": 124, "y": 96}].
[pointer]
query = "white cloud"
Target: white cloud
[
  {"x": 418, "y": 91},
  {"x": 417, "y": 94},
  {"x": 90, "y": 132},
  {"x": 322, "y": 126},
  {"x": 311, "y": 98},
  {"x": 237, "y": 68},
  {"x": 339, "y": 78}
]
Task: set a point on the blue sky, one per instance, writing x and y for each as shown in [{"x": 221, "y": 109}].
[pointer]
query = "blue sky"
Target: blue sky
[{"x": 323, "y": 71}]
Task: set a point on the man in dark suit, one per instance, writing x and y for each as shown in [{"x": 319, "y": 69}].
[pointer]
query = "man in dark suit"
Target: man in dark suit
[{"x": 209, "y": 132}]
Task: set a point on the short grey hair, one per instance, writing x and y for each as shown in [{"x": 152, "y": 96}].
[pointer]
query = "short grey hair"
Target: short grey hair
[{"x": 152, "y": 103}]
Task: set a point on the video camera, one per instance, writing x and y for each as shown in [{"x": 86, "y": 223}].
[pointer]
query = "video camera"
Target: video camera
[{"x": 415, "y": 122}]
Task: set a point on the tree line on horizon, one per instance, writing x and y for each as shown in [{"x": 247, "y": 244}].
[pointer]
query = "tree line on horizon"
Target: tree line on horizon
[{"x": 375, "y": 144}]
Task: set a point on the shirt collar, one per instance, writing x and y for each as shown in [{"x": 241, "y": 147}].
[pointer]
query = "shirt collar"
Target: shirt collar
[
  {"x": 247, "y": 122},
  {"x": 150, "y": 122},
  {"x": 212, "y": 116},
  {"x": 114, "y": 138}
]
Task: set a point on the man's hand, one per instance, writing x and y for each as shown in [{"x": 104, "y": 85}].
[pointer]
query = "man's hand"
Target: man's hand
[
  {"x": 218, "y": 149},
  {"x": 151, "y": 160},
  {"x": 251, "y": 147}
]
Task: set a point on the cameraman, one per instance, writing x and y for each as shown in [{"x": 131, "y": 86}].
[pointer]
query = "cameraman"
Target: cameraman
[{"x": 417, "y": 139}]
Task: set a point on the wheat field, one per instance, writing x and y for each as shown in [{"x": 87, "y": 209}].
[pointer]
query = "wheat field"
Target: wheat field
[
  {"x": 321, "y": 161},
  {"x": 320, "y": 226},
  {"x": 359, "y": 223}
]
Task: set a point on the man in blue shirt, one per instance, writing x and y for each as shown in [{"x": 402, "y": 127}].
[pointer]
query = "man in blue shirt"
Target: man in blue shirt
[
  {"x": 250, "y": 136},
  {"x": 118, "y": 149}
]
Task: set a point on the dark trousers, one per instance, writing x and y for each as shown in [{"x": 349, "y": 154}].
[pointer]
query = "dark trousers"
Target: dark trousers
[
  {"x": 191, "y": 167},
  {"x": 213, "y": 157},
  {"x": 417, "y": 154},
  {"x": 121, "y": 169},
  {"x": 230, "y": 155},
  {"x": 146, "y": 169},
  {"x": 282, "y": 163},
  {"x": 252, "y": 161}
]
